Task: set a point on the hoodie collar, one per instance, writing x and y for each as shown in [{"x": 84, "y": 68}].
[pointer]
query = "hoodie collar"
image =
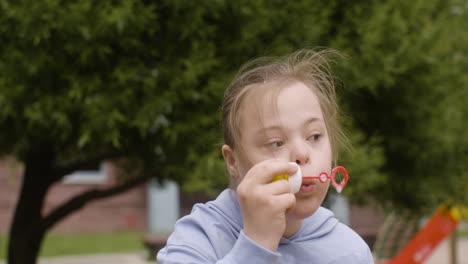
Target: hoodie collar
[
  {"x": 227, "y": 205},
  {"x": 317, "y": 225}
]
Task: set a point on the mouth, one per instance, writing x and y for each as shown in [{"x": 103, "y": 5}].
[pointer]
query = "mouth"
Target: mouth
[{"x": 308, "y": 185}]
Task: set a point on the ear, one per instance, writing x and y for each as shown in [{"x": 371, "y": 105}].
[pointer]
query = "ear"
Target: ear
[{"x": 230, "y": 160}]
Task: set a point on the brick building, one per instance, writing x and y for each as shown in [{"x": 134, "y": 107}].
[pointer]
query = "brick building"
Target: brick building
[{"x": 124, "y": 212}]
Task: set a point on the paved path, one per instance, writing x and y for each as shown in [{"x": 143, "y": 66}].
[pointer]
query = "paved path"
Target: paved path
[
  {"x": 440, "y": 256},
  {"x": 120, "y": 258}
]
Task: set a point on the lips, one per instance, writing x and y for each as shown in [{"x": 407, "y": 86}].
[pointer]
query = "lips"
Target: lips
[{"x": 308, "y": 185}]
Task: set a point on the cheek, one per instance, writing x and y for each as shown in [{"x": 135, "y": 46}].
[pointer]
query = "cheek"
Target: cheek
[
  {"x": 325, "y": 187},
  {"x": 243, "y": 166},
  {"x": 326, "y": 155},
  {"x": 250, "y": 156}
]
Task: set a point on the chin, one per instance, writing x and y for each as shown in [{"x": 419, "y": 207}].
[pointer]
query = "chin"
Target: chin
[{"x": 303, "y": 210}]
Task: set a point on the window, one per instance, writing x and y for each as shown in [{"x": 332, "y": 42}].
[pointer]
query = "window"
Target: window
[{"x": 92, "y": 175}]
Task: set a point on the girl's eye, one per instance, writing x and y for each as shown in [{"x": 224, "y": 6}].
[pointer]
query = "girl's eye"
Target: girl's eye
[
  {"x": 277, "y": 144},
  {"x": 315, "y": 137}
]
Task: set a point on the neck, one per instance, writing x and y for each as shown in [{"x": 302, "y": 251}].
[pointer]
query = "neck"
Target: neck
[{"x": 292, "y": 226}]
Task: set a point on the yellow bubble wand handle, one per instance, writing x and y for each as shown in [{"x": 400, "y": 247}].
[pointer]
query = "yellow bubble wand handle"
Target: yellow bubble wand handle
[
  {"x": 294, "y": 180},
  {"x": 281, "y": 177}
]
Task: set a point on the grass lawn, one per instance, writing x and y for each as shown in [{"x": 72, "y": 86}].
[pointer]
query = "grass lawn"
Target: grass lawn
[
  {"x": 75, "y": 244},
  {"x": 462, "y": 233}
]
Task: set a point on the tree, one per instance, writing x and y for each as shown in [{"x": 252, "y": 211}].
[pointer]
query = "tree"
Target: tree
[
  {"x": 406, "y": 75},
  {"x": 140, "y": 82},
  {"x": 136, "y": 82},
  {"x": 85, "y": 81},
  {"x": 408, "y": 98}
]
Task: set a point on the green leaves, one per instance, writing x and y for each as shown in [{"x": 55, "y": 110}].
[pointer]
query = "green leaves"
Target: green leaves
[
  {"x": 404, "y": 75},
  {"x": 145, "y": 80}
]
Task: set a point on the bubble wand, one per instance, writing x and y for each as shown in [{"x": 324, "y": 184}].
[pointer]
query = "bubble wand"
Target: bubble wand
[{"x": 295, "y": 180}]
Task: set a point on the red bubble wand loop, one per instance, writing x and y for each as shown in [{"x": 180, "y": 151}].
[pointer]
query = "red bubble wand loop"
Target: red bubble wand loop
[{"x": 323, "y": 177}]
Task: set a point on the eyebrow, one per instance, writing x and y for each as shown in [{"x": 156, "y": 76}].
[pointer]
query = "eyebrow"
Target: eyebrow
[
  {"x": 313, "y": 120},
  {"x": 279, "y": 127}
]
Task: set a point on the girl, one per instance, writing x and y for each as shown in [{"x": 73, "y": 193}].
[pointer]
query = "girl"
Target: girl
[{"x": 277, "y": 116}]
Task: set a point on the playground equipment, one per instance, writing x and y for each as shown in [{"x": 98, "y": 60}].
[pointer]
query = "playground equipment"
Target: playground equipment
[{"x": 442, "y": 223}]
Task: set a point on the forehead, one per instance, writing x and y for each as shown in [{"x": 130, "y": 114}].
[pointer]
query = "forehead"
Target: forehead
[{"x": 274, "y": 104}]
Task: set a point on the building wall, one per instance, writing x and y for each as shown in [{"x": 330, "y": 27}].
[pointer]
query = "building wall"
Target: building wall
[
  {"x": 366, "y": 221},
  {"x": 124, "y": 212}
]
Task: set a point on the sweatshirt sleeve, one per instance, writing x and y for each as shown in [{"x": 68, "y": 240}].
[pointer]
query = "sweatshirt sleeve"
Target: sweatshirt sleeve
[
  {"x": 244, "y": 251},
  {"x": 248, "y": 251}
]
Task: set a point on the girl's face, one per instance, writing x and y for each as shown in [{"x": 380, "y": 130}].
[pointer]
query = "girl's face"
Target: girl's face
[{"x": 287, "y": 124}]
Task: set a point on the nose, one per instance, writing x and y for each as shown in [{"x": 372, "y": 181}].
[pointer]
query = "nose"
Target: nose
[{"x": 300, "y": 153}]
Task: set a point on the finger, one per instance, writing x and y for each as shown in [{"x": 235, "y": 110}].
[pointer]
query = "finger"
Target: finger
[
  {"x": 285, "y": 201},
  {"x": 263, "y": 172},
  {"x": 277, "y": 187}
]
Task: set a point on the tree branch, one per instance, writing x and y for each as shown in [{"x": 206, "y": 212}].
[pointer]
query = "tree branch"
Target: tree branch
[
  {"x": 82, "y": 199},
  {"x": 60, "y": 172}
]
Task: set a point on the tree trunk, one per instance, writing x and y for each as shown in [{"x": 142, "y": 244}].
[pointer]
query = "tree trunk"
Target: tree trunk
[
  {"x": 29, "y": 226},
  {"x": 24, "y": 244},
  {"x": 27, "y": 230}
]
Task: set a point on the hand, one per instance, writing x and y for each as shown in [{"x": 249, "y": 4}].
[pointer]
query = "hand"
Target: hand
[{"x": 264, "y": 203}]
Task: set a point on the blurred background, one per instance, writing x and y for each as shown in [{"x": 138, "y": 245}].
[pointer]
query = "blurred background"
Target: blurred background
[{"x": 109, "y": 114}]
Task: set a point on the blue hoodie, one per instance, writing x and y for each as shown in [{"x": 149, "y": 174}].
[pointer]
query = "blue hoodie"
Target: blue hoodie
[{"x": 212, "y": 233}]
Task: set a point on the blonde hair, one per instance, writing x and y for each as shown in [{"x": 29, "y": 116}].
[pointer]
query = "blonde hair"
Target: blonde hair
[{"x": 307, "y": 66}]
